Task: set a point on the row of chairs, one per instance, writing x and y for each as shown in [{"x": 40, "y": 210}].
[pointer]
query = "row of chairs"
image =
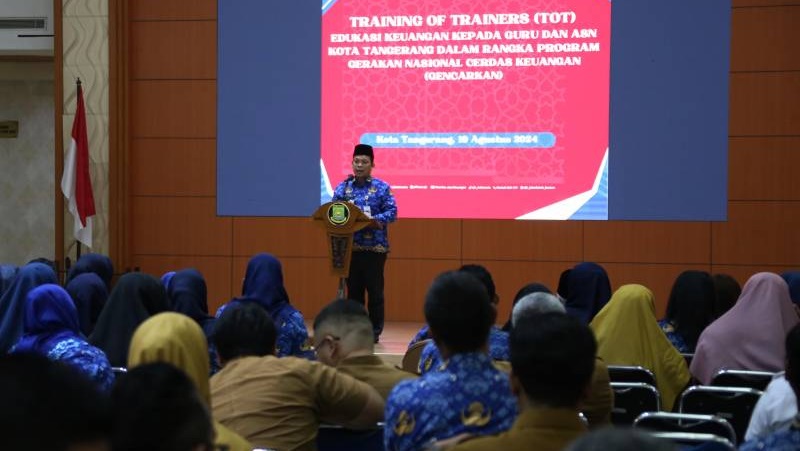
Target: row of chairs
[{"x": 723, "y": 409}]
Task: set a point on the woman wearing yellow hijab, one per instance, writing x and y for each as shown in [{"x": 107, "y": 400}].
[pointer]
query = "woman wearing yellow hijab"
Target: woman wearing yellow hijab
[
  {"x": 178, "y": 340},
  {"x": 628, "y": 334}
]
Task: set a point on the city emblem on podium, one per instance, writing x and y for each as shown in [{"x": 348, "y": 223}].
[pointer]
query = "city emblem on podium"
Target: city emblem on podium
[{"x": 338, "y": 213}]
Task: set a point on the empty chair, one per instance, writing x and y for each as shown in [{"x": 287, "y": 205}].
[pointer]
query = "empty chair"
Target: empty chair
[
  {"x": 410, "y": 361},
  {"x": 742, "y": 378},
  {"x": 337, "y": 438},
  {"x": 734, "y": 404},
  {"x": 631, "y": 399},
  {"x": 622, "y": 373},
  {"x": 686, "y": 422},
  {"x": 692, "y": 439}
]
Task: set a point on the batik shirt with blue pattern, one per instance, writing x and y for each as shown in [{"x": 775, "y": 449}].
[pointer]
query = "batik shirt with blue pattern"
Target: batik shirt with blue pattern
[
  {"x": 498, "y": 350},
  {"x": 88, "y": 359},
  {"x": 674, "y": 337},
  {"x": 787, "y": 440},
  {"x": 468, "y": 394},
  {"x": 292, "y": 339},
  {"x": 377, "y": 195}
]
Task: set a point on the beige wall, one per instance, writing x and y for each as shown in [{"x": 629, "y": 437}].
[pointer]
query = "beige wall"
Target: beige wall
[
  {"x": 26, "y": 186},
  {"x": 85, "y": 55}
]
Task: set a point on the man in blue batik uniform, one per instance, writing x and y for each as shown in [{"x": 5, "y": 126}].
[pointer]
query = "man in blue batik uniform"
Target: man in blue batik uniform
[
  {"x": 371, "y": 244},
  {"x": 467, "y": 394}
]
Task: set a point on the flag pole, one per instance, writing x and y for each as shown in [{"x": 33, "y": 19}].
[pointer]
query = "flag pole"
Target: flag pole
[{"x": 77, "y": 242}]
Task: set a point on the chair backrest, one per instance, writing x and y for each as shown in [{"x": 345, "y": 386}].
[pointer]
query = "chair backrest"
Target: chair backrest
[
  {"x": 623, "y": 373},
  {"x": 692, "y": 439},
  {"x": 685, "y": 422},
  {"x": 338, "y": 438},
  {"x": 410, "y": 361},
  {"x": 734, "y": 404},
  {"x": 742, "y": 378},
  {"x": 118, "y": 370},
  {"x": 631, "y": 399}
]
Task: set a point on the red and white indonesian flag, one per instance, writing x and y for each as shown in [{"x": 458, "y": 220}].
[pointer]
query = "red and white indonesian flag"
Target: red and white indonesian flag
[{"x": 76, "y": 184}]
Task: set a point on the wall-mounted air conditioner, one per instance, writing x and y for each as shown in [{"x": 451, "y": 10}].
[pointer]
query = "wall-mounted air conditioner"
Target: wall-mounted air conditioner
[{"x": 26, "y": 27}]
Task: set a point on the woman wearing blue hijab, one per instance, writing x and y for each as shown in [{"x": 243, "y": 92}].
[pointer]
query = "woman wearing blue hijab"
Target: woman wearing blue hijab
[
  {"x": 51, "y": 329},
  {"x": 89, "y": 293},
  {"x": 588, "y": 290},
  {"x": 95, "y": 263},
  {"x": 12, "y": 302},
  {"x": 7, "y": 275},
  {"x": 188, "y": 294},
  {"x": 263, "y": 284}
]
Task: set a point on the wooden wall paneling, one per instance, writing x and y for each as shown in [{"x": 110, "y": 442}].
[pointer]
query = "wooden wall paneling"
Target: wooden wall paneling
[
  {"x": 174, "y": 50},
  {"x": 658, "y": 278},
  {"x": 173, "y": 167},
  {"x": 426, "y": 238},
  {"x": 762, "y": 3},
  {"x": 179, "y": 226},
  {"x": 758, "y": 233},
  {"x": 173, "y": 10},
  {"x": 407, "y": 281},
  {"x": 765, "y": 39},
  {"x": 647, "y": 242},
  {"x": 522, "y": 240},
  {"x": 295, "y": 237},
  {"x": 764, "y": 168},
  {"x": 743, "y": 272},
  {"x": 764, "y": 103},
  {"x": 216, "y": 271},
  {"x": 174, "y": 109}
]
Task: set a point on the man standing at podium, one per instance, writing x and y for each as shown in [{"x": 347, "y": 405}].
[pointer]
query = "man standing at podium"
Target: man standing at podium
[{"x": 370, "y": 244}]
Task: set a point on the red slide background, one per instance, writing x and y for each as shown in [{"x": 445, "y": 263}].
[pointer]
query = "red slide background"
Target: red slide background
[{"x": 569, "y": 101}]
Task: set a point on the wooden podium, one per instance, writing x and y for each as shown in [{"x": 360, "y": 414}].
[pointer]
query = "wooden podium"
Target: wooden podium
[{"x": 341, "y": 220}]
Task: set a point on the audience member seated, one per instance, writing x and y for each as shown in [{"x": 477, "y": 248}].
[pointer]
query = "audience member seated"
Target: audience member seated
[
  {"x": 620, "y": 439},
  {"x": 156, "y": 407},
  {"x": 628, "y": 334},
  {"x": 178, "y": 340},
  {"x": 93, "y": 263},
  {"x": 774, "y": 411},
  {"x": 51, "y": 329},
  {"x": 343, "y": 339},
  {"x": 89, "y": 293},
  {"x": 467, "y": 394},
  {"x": 263, "y": 284},
  {"x": 690, "y": 309},
  {"x": 597, "y": 404},
  {"x": 166, "y": 280},
  {"x": 784, "y": 438},
  {"x": 12, "y": 303},
  {"x": 188, "y": 294},
  {"x": 727, "y": 292},
  {"x": 530, "y": 288},
  {"x": 552, "y": 361},
  {"x": 588, "y": 289},
  {"x": 7, "y": 275},
  {"x": 279, "y": 402},
  {"x": 750, "y": 336},
  {"x": 135, "y": 297},
  {"x": 498, "y": 340},
  {"x": 48, "y": 406}
]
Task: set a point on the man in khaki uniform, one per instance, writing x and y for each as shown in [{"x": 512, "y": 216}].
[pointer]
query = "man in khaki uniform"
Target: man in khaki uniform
[
  {"x": 552, "y": 360},
  {"x": 275, "y": 402},
  {"x": 343, "y": 339}
]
